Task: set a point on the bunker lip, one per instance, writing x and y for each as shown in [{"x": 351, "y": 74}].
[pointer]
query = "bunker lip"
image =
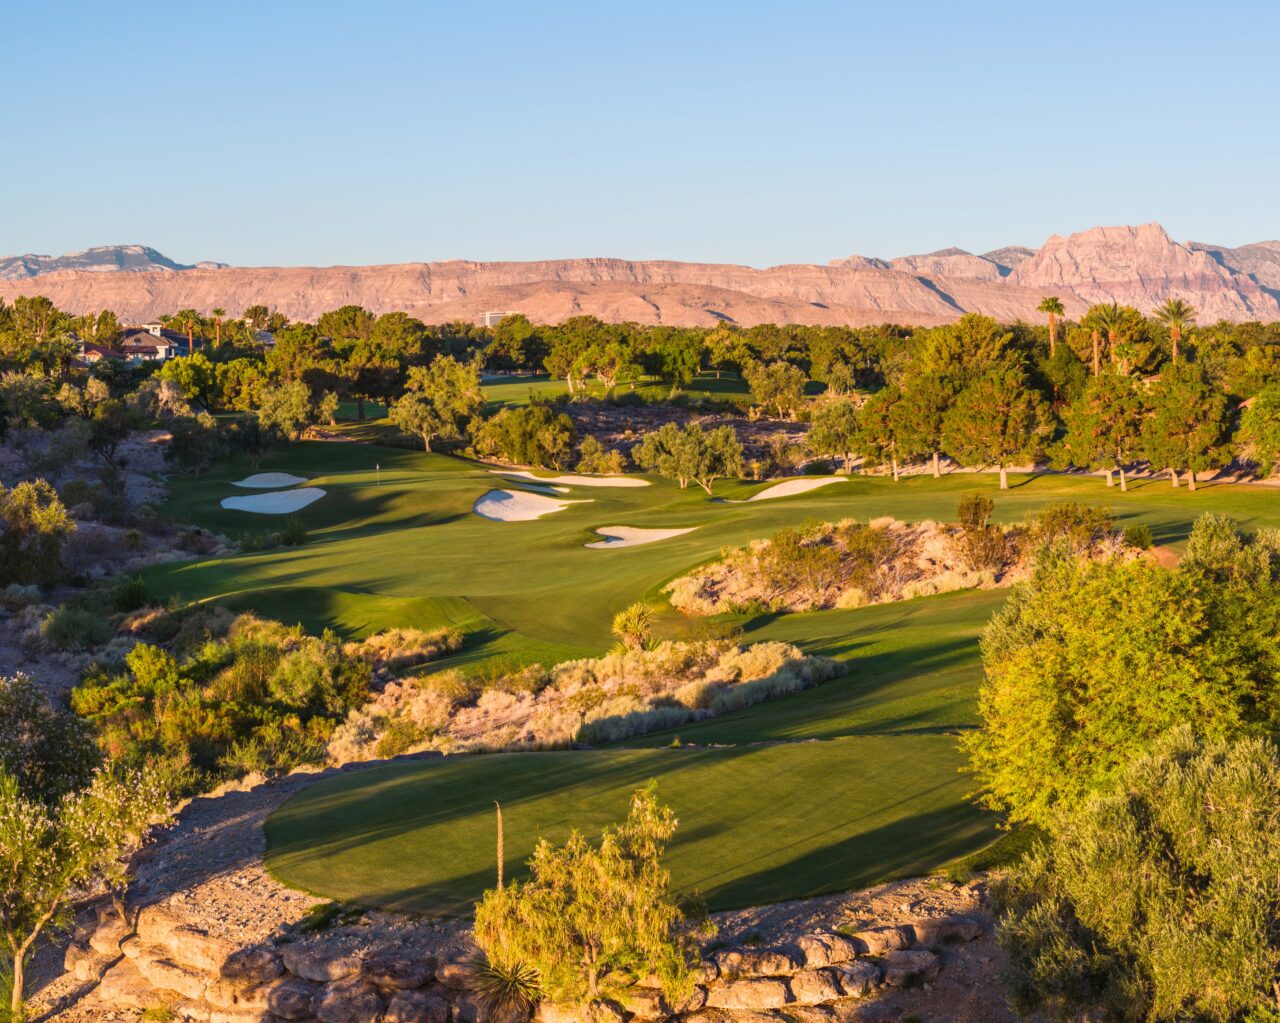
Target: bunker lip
[
  {"x": 517, "y": 505},
  {"x": 632, "y": 536},
  {"x": 574, "y": 480},
  {"x": 789, "y": 488},
  {"x": 267, "y": 480},
  {"x": 279, "y": 502}
]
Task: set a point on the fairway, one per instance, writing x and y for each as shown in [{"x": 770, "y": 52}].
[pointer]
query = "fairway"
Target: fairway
[{"x": 836, "y": 787}]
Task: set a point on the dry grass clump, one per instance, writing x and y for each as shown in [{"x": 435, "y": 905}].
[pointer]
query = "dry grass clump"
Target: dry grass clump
[
  {"x": 397, "y": 649},
  {"x": 605, "y": 699}
]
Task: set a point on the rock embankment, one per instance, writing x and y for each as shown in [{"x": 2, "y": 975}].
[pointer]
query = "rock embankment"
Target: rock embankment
[{"x": 403, "y": 971}]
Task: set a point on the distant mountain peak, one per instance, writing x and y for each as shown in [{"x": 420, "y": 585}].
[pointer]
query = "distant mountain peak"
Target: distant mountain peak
[{"x": 99, "y": 259}]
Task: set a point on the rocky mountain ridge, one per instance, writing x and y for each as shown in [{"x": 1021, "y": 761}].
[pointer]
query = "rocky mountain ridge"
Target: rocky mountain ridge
[
  {"x": 101, "y": 259},
  {"x": 1140, "y": 266}
]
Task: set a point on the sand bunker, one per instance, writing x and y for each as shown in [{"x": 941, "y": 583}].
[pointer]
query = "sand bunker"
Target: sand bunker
[
  {"x": 577, "y": 481},
  {"x": 267, "y": 480},
  {"x": 632, "y": 536},
  {"x": 536, "y": 488},
  {"x": 517, "y": 505},
  {"x": 790, "y": 487},
  {"x": 282, "y": 502}
]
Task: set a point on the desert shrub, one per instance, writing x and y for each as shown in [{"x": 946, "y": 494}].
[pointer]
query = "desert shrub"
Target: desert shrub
[
  {"x": 16, "y": 596},
  {"x": 1079, "y": 526},
  {"x": 633, "y": 625},
  {"x": 128, "y": 594},
  {"x": 1139, "y": 537},
  {"x": 74, "y": 628},
  {"x": 1088, "y": 663},
  {"x": 78, "y": 492},
  {"x": 1156, "y": 899},
  {"x": 974, "y": 511},
  {"x": 793, "y": 563},
  {"x": 293, "y": 533},
  {"x": 866, "y": 552},
  {"x": 1214, "y": 546},
  {"x": 34, "y": 526},
  {"x": 46, "y": 750},
  {"x": 260, "y": 697},
  {"x": 594, "y": 918},
  {"x": 397, "y": 649}
]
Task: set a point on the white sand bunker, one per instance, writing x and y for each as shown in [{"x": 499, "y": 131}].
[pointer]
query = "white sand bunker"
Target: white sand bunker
[
  {"x": 538, "y": 489},
  {"x": 577, "y": 481},
  {"x": 632, "y": 536},
  {"x": 517, "y": 505},
  {"x": 282, "y": 502},
  {"x": 797, "y": 486},
  {"x": 267, "y": 480}
]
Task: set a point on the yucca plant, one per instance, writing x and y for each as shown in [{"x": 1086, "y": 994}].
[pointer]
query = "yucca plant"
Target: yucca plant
[{"x": 503, "y": 988}]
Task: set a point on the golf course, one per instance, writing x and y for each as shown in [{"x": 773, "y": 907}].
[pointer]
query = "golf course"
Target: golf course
[{"x": 839, "y": 786}]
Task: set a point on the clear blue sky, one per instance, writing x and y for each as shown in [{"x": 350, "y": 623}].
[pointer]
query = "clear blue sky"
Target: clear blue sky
[{"x": 272, "y": 133}]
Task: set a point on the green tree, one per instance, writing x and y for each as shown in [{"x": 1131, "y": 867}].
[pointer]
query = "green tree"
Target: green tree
[
  {"x": 1156, "y": 899},
  {"x": 534, "y": 435},
  {"x": 1104, "y": 426},
  {"x": 878, "y": 426},
  {"x": 439, "y": 400},
  {"x": 996, "y": 420},
  {"x": 194, "y": 375},
  {"x": 593, "y": 919},
  {"x": 287, "y": 408},
  {"x": 1260, "y": 429},
  {"x": 1088, "y": 663},
  {"x": 834, "y": 430},
  {"x": 33, "y": 527},
  {"x": 1178, "y": 317},
  {"x": 777, "y": 387},
  {"x": 50, "y": 855},
  {"x": 690, "y": 454},
  {"x": 1187, "y": 424},
  {"x": 925, "y": 400}
]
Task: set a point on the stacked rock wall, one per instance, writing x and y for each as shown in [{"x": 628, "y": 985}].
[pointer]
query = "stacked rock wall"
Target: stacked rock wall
[{"x": 420, "y": 973}]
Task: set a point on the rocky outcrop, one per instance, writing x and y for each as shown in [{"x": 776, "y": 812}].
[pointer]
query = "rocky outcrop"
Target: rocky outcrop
[
  {"x": 1142, "y": 266},
  {"x": 1261, "y": 261},
  {"x": 417, "y": 973},
  {"x": 949, "y": 263}
]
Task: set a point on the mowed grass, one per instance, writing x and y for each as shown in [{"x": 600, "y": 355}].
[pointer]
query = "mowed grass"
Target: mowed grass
[{"x": 837, "y": 787}]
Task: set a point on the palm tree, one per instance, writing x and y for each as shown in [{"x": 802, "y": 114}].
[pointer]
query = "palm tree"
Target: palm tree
[
  {"x": 1052, "y": 306},
  {"x": 1110, "y": 318},
  {"x": 1178, "y": 316},
  {"x": 218, "y": 314}
]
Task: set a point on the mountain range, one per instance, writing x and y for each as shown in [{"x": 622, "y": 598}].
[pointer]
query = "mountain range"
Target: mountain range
[{"x": 1140, "y": 266}]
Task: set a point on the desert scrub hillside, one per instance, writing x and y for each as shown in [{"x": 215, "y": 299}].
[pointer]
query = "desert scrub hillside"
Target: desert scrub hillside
[
  {"x": 849, "y": 564},
  {"x": 629, "y": 692}
]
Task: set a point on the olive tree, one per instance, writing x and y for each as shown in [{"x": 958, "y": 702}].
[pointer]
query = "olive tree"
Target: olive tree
[
  {"x": 33, "y": 527},
  {"x": 50, "y": 855},
  {"x": 439, "y": 400},
  {"x": 690, "y": 454}
]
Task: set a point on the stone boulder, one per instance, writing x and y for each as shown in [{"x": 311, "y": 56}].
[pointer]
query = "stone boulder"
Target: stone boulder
[
  {"x": 400, "y": 973},
  {"x": 349, "y": 1001},
  {"x": 877, "y": 941},
  {"x": 910, "y": 966},
  {"x": 948, "y": 930},
  {"x": 315, "y": 962},
  {"x": 293, "y": 998},
  {"x": 757, "y": 962},
  {"x": 188, "y": 946},
  {"x": 416, "y": 1007},
  {"x": 826, "y": 948},
  {"x": 455, "y": 974},
  {"x": 813, "y": 987},
  {"x": 760, "y": 993},
  {"x": 252, "y": 966},
  {"x": 857, "y": 978}
]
